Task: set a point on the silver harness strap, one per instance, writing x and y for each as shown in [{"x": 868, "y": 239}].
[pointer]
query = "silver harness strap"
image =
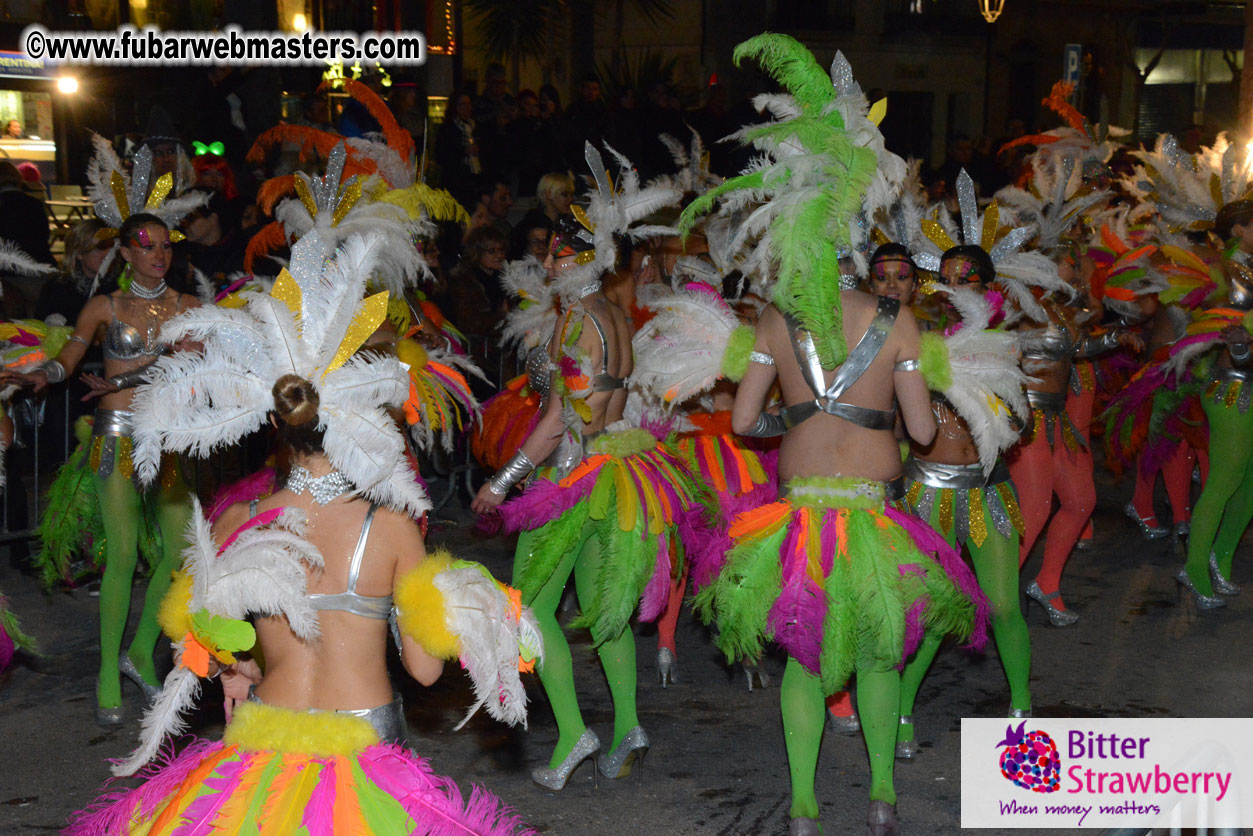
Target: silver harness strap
[
  {"x": 854, "y": 366},
  {"x": 604, "y": 382},
  {"x": 350, "y": 600}
]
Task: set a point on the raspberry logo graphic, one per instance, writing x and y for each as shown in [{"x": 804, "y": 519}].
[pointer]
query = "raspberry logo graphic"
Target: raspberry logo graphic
[{"x": 1030, "y": 759}]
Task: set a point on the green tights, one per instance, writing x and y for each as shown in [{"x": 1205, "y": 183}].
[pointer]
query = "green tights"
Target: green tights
[
  {"x": 617, "y": 655},
  {"x": 802, "y": 703},
  {"x": 122, "y": 510},
  {"x": 1225, "y": 507},
  {"x": 996, "y": 568}
]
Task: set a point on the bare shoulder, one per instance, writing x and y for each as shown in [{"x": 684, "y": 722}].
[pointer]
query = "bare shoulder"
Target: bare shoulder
[
  {"x": 230, "y": 521},
  {"x": 397, "y": 528},
  {"x": 186, "y": 301},
  {"x": 97, "y": 309}
]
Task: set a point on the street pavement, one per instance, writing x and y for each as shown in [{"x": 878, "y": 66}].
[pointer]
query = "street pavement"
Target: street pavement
[{"x": 716, "y": 766}]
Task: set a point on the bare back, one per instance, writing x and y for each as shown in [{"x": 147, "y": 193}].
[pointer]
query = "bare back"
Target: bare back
[
  {"x": 606, "y": 407},
  {"x": 346, "y": 668}
]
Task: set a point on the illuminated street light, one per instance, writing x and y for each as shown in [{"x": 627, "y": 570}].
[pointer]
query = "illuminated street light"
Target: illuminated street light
[{"x": 67, "y": 84}]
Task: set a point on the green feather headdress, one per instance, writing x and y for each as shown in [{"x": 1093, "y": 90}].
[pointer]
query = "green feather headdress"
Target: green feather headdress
[{"x": 810, "y": 183}]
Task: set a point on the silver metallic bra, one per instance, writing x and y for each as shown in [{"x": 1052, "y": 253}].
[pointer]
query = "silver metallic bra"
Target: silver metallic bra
[
  {"x": 123, "y": 341},
  {"x": 540, "y": 367},
  {"x": 366, "y": 606},
  {"x": 826, "y": 398},
  {"x": 1053, "y": 343}
]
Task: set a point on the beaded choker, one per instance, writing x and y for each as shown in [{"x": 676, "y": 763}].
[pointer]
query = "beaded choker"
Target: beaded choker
[
  {"x": 323, "y": 489},
  {"x": 848, "y": 282},
  {"x": 142, "y": 292},
  {"x": 588, "y": 289}
]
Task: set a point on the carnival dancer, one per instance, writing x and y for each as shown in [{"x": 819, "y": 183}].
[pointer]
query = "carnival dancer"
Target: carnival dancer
[
  {"x": 607, "y": 498},
  {"x": 1212, "y": 192},
  {"x": 959, "y": 482},
  {"x": 317, "y": 741},
  {"x": 830, "y": 572},
  {"x": 131, "y": 320}
]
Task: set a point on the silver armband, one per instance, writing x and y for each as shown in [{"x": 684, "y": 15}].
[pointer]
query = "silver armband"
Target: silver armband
[
  {"x": 74, "y": 338},
  {"x": 53, "y": 370},
  {"x": 514, "y": 471},
  {"x": 761, "y": 357},
  {"x": 134, "y": 377},
  {"x": 1239, "y": 353},
  {"x": 766, "y": 426},
  {"x": 1092, "y": 346},
  {"x": 906, "y": 366}
]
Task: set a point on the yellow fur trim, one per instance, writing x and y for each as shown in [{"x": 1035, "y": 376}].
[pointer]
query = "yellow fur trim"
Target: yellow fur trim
[
  {"x": 321, "y": 734},
  {"x": 420, "y": 608},
  {"x": 411, "y": 354},
  {"x": 174, "y": 615}
]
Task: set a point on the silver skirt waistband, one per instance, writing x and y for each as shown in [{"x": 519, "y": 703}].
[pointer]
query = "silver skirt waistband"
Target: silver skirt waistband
[
  {"x": 113, "y": 422},
  {"x": 956, "y": 476},
  {"x": 387, "y": 719}
]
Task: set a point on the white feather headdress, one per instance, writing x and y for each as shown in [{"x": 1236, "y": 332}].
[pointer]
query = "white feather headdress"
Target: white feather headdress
[
  {"x": 311, "y": 323},
  {"x": 117, "y": 193},
  {"x": 693, "y": 166},
  {"x": 1054, "y": 200},
  {"x": 1188, "y": 190},
  {"x": 1017, "y": 271}
]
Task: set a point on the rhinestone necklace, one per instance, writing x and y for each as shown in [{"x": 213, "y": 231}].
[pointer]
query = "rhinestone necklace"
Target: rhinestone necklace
[
  {"x": 323, "y": 489},
  {"x": 142, "y": 292},
  {"x": 588, "y": 289},
  {"x": 848, "y": 282}
]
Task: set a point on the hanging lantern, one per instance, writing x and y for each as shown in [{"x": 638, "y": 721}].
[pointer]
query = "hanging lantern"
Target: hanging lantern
[{"x": 991, "y": 9}]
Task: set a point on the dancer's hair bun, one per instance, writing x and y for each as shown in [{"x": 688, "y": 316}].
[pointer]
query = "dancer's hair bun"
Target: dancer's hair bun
[{"x": 295, "y": 400}]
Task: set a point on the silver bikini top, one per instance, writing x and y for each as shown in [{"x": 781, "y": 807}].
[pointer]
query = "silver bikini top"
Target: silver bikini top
[
  {"x": 826, "y": 398},
  {"x": 123, "y": 341},
  {"x": 350, "y": 600},
  {"x": 1053, "y": 343},
  {"x": 540, "y": 367}
]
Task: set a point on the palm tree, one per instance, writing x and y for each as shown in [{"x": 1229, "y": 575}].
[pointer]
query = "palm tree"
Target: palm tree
[{"x": 514, "y": 30}]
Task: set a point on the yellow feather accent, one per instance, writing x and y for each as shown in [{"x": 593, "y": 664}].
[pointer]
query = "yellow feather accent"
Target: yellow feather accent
[
  {"x": 879, "y": 237},
  {"x": 349, "y": 199},
  {"x": 411, "y": 354},
  {"x": 160, "y": 190},
  {"x": 369, "y": 317},
  {"x": 625, "y": 496},
  {"x": 288, "y": 292},
  {"x": 755, "y": 471},
  {"x": 936, "y": 233},
  {"x": 878, "y": 111},
  {"x": 231, "y": 816},
  {"x": 319, "y": 734},
  {"x": 420, "y": 608},
  {"x": 174, "y": 614},
  {"x": 235, "y": 300},
  {"x": 398, "y": 313},
  {"x": 990, "y": 220},
  {"x": 289, "y": 795},
  {"x": 651, "y": 504},
  {"x": 118, "y": 185},
  {"x": 306, "y": 197},
  {"x": 437, "y": 203}
]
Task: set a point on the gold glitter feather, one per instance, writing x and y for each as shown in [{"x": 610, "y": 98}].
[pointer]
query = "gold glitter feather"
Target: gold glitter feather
[
  {"x": 176, "y": 236},
  {"x": 349, "y": 199},
  {"x": 306, "y": 197},
  {"x": 978, "y": 522},
  {"x": 118, "y": 185},
  {"x": 581, "y": 217},
  {"x": 990, "y": 220},
  {"x": 1010, "y": 501},
  {"x": 369, "y": 317},
  {"x": 878, "y": 111},
  {"x": 160, "y": 190},
  {"x": 288, "y": 292},
  {"x": 946, "y": 509},
  {"x": 936, "y": 233},
  {"x": 585, "y": 257}
]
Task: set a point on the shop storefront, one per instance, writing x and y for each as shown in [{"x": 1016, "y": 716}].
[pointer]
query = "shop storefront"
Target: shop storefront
[{"x": 27, "y": 128}]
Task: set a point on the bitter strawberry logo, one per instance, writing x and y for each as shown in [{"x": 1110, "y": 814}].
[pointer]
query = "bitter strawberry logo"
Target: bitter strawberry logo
[{"x": 1030, "y": 759}]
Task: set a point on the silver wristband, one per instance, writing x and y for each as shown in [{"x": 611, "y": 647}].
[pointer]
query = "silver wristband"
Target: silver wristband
[
  {"x": 514, "y": 471},
  {"x": 761, "y": 357},
  {"x": 1091, "y": 346},
  {"x": 767, "y": 425},
  {"x": 1239, "y": 353},
  {"x": 906, "y": 366},
  {"x": 53, "y": 370}
]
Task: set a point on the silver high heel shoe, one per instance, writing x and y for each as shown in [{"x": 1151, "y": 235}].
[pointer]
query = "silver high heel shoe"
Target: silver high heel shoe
[
  {"x": 844, "y": 725},
  {"x": 803, "y": 827},
  {"x": 1150, "y": 532},
  {"x": 1183, "y": 529},
  {"x": 1020, "y": 714},
  {"x": 106, "y": 716},
  {"x": 881, "y": 820},
  {"x": 1203, "y": 602},
  {"x": 666, "y": 664},
  {"x": 1222, "y": 585},
  {"x": 750, "y": 671},
  {"x": 633, "y": 747},
  {"x": 127, "y": 668},
  {"x": 906, "y": 749},
  {"x": 1058, "y": 618},
  {"x": 555, "y": 779}
]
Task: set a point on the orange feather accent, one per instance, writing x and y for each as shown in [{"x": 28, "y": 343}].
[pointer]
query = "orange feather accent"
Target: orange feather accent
[
  {"x": 757, "y": 521},
  {"x": 173, "y": 810},
  {"x": 274, "y": 188},
  {"x": 309, "y": 139},
  {"x": 1056, "y": 102},
  {"x": 267, "y": 239},
  {"x": 711, "y": 461},
  {"x": 711, "y": 423},
  {"x": 588, "y": 465},
  {"x": 1120, "y": 293},
  {"x": 348, "y": 817},
  {"x": 841, "y": 533},
  {"x": 398, "y": 139}
]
